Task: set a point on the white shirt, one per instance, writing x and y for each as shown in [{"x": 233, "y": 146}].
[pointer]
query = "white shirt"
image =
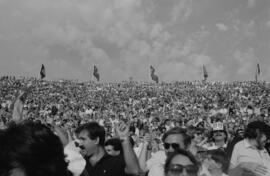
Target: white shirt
[
  {"x": 244, "y": 152},
  {"x": 156, "y": 163}
]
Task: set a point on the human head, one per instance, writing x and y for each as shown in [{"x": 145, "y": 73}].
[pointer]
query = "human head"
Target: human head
[
  {"x": 175, "y": 138},
  {"x": 219, "y": 133},
  {"x": 113, "y": 146},
  {"x": 258, "y": 131},
  {"x": 91, "y": 136},
  {"x": 178, "y": 160},
  {"x": 31, "y": 149},
  {"x": 217, "y": 160}
]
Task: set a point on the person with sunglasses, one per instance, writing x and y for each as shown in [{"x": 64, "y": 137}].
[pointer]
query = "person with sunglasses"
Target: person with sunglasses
[
  {"x": 181, "y": 163},
  {"x": 174, "y": 139}
]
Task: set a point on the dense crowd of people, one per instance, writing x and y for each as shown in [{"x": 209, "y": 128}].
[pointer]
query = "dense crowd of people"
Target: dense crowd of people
[{"x": 134, "y": 128}]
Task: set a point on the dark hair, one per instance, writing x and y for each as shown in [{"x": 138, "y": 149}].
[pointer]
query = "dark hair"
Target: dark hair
[
  {"x": 94, "y": 131},
  {"x": 115, "y": 142},
  {"x": 221, "y": 157},
  {"x": 181, "y": 131},
  {"x": 253, "y": 127},
  {"x": 224, "y": 131},
  {"x": 32, "y": 148},
  {"x": 180, "y": 152}
]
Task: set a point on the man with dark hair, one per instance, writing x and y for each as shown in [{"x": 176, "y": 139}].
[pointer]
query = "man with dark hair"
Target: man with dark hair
[
  {"x": 250, "y": 153},
  {"x": 172, "y": 140},
  {"x": 92, "y": 136},
  {"x": 31, "y": 149},
  {"x": 216, "y": 162},
  {"x": 113, "y": 146}
]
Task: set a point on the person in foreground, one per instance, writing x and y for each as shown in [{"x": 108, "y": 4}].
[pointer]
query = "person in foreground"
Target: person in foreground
[
  {"x": 31, "y": 149},
  {"x": 98, "y": 163},
  {"x": 250, "y": 153},
  {"x": 181, "y": 163}
]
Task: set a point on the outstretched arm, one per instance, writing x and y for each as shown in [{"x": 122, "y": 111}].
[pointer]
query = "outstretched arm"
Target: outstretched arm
[{"x": 131, "y": 160}]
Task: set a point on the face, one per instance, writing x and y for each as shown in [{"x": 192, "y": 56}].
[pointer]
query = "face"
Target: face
[
  {"x": 173, "y": 142},
  {"x": 181, "y": 166},
  {"x": 219, "y": 135},
  {"x": 211, "y": 164},
  {"x": 261, "y": 141},
  {"x": 109, "y": 149},
  {"x": 87, "y": 145}
]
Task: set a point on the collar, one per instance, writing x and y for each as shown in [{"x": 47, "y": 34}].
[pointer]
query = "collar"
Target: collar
[{"x": 248, "y": 145}]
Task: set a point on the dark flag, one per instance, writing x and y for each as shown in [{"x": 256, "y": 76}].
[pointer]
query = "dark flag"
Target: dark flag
[
  {"x": 95, "y": 73},
  {"x": 258, "y": 69},
  {"x": 153, "y": 75},
  {"x": 42, "y": 72},
  {"x": 205, "y": 74},
  {"x": 152, "y": 69}
]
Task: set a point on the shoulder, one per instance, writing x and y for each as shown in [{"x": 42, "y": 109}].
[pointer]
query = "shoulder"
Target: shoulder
[{"x": 239, "y": 144}]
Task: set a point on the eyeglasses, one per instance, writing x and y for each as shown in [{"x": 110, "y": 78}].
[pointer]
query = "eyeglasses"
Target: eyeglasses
[
  {"x": 174, "y": 146},
  {"x": 178, "y": 168}
]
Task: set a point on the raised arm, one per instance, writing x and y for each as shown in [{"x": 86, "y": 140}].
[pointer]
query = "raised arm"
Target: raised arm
[{"x": 131, "y": 160}]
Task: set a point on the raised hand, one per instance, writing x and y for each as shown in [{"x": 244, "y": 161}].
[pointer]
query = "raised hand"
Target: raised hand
[
  {"x": 122, "y": 130},
  {"x": 17, "y": 112}
]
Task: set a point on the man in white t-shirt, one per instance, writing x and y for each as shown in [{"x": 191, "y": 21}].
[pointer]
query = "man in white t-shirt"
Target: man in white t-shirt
[{"x": 250, "y": 153}]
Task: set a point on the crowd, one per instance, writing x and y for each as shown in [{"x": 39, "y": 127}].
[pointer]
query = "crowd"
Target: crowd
[{"x": 138, "y": 128}]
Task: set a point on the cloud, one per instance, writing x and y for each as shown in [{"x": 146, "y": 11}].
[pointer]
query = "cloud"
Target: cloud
[
  {"x": 181, "y": 11},
  {"x": 222, "y": 27},
  {"x": 123, "y": 37},
  {"x": 251, "y": 3}
]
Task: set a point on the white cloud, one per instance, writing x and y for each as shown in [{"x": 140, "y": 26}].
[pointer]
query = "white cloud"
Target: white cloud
[
  {"x": 221, "y": 27},
  {"x": 251, "y": 3},
  {"x": 181, "y": 11},
  {"x": 122, "y": 37}
]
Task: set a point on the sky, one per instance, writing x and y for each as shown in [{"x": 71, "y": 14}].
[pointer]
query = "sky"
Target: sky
[{"x": 124, "y": 37}]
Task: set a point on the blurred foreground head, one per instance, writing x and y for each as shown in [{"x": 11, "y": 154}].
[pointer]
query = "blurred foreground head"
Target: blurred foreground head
[{"x": 31, "y": 149}]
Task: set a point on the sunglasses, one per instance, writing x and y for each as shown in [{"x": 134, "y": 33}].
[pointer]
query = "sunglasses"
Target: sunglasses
[
  {"x": 173, "y": 145},
  {"x": 178, "y": 169}
]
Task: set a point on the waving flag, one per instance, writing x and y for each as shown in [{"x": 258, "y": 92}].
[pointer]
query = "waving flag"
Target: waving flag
[
  {"x": 95, "y": 73},
  {"x": 42, "y": 72},
  {"x": 205, "y": 74},
  {"x": 258, "y": 72},
  {"x": 153, "y": 75},
  {"x": 258, "y": 69}
]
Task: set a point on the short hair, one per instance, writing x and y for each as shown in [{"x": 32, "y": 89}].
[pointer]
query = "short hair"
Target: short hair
[
  {"x": 180, "y": 152},
  {"x": 178, "y": 130},
  {"x": 32, "y": 148},
  {"x": 221, "y": 157},
  {"x": 224, "y": 131},
  {"x": 252, "y": 127},
  {"x": 115, "y": 142},
  {"x": 94, "y": 131}
]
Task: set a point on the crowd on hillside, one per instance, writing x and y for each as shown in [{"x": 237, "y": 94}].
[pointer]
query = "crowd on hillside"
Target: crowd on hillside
[{"x": 212, "y": 116}]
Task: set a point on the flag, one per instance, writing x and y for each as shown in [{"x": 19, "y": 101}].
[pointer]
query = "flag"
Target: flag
[
  {"x": 42, "y": 72},
  {"x": 95, "y": 73},
  {"x": 153, "y": 75},
  {"x": 258, "y": 69},
  {"x": 205, "y": 74},
  {"x": 154, "y": 78},
  {"x": 152, "y": 69}
]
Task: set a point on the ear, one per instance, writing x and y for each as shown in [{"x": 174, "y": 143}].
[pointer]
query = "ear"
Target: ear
[{"x": 97, "y": 140}]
